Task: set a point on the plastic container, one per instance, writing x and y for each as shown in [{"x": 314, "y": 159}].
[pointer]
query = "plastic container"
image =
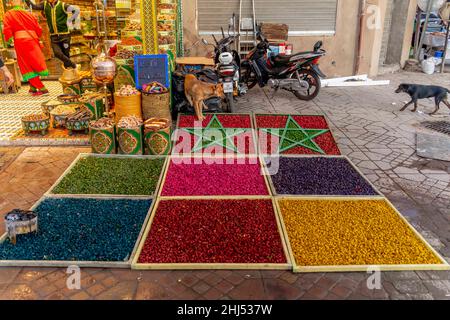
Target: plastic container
[
  {"x": 438, "y": 54},
  {"x": 428, "y": 66}
]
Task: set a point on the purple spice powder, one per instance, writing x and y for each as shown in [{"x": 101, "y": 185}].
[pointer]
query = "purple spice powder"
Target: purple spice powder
[{"x": 319, "y": 176}]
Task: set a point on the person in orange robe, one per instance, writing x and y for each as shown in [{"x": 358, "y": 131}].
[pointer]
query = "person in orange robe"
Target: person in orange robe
[{"x": 24, "y": 28}]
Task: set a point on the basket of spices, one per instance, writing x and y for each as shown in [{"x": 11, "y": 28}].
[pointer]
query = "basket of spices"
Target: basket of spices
[
  {"x": 68, "y": 98},
  {"x": 155, "y": 101},
  {"x": 78, "y": 121},
  {"x": 127, "y": 102},
  {"x": 130, "y": 135},
  {"x": 59, "y": 114},
  {"x": 157, "y": 133},
  {"x": 102, "y": 135},
  {"x": 95, "y": 103},
  {"x": 49, "y": 106},
  {"x": 33, "y": 123}
]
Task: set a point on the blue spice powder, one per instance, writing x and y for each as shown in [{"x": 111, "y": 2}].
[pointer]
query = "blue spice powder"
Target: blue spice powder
[{"x": 81, "y": 230}]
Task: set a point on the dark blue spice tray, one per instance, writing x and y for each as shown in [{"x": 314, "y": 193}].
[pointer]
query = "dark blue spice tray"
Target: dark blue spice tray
[{"x": 87, "y": 232}]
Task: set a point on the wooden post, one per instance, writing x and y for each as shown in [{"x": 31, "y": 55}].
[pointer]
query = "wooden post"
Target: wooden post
[
  {"x": 425, "y": 26},
  {"x": 417, "y": 37}
]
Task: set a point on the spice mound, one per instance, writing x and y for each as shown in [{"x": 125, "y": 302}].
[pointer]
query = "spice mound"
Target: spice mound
[
  {"x": 64, "y": 110},
  {"x": 126, "y": 91},
  {"x": 34, "y": 117},
  {"x": 52, "y": 103},
  {"x": 102, "y": 123},
  {"x": 125, "y": 54},
  {"x": 88, "y": 96},
  {"x": 129, "y": 122},
  {"x": 133, "y": 26}
]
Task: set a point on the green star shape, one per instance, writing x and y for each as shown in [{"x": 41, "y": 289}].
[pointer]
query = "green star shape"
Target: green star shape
[
  {"x": 294, "y": 135},
  {"x": 204, "y": 142}
]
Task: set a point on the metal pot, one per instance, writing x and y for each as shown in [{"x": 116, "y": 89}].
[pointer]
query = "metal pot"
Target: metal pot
[{"x": 103, "y": 68}]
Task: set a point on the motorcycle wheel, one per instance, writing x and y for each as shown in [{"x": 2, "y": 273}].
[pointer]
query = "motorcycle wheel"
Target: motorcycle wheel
[
  {"x": 314, "y": 82},
  {"x": 230, "y": 102},
  {"x": 248, "y": 77}
]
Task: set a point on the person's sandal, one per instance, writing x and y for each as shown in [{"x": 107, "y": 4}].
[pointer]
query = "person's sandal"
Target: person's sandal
[
  {"x": 32, "y": 90},
  {"x": 44, "y": 91},
  {"x": 41, "y": 92}
]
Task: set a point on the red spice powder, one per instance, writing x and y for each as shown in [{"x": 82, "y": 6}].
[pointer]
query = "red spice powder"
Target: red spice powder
[
  {"x": 325, "y": 141},
  {"x": 213, "y": 231},
  {"x": 214, "y": 177},
  {"x": 244, "y": 143},
  {"x": 279, "y": 121},
  {"x": 227, "y": 120}
]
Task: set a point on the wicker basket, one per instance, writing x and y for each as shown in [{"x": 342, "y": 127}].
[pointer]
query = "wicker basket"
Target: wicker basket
[
  {"x": 156, "y": 105},
  {"x": 127, "y": 106}
]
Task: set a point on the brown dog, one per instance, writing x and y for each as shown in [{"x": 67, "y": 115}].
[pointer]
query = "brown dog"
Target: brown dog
[{"x": 197, "y": 92}]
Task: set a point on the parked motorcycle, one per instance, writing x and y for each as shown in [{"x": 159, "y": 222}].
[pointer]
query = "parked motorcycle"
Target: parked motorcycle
[
  {"x": 227, "y": 66},
  {"x": 298, "y": 73}
]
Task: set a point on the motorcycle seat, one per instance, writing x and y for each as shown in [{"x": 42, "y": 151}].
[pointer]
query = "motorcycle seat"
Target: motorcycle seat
[{"x": 286, "y": 59}]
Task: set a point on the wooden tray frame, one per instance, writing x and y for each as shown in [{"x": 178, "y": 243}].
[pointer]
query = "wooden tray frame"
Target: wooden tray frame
[
  {"x": 219, "y": 197},
  {"x": 107, "y": 196},
  {"x": 360, "y": 268},
  {"x": 82, "y": 264},
  {"x": 253, "y": 130},
  {"x": 274, "y": 191},
  {"x": 213, "y": 266},
  {"x": 255, "y": 124}
]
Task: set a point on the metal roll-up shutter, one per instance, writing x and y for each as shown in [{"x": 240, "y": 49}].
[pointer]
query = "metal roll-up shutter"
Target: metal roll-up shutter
[{"x": 302, "y": 16}]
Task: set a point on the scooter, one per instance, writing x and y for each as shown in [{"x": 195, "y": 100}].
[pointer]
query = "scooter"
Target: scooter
[
  {"x": 298, "y": 73},
  {"x": 227, "y": 66}
]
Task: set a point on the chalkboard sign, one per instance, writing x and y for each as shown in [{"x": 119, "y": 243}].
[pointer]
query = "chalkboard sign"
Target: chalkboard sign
[{"x": 151, "y": 67}]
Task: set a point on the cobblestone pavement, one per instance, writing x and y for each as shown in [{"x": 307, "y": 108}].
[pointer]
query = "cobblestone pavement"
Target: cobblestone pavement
[{"x": 369, "y": 129}]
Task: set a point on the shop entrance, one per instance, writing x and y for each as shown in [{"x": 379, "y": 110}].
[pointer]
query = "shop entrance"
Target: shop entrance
[{"x": 118, "y": 14}]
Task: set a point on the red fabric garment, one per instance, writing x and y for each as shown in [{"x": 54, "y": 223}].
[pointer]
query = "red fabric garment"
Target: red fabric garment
[
  {"x": 30, "y": 58},
  {"x": 37, "y": 83}
]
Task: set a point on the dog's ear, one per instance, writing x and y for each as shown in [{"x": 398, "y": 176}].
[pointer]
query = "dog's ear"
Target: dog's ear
[{"x": 402, "y": 88}]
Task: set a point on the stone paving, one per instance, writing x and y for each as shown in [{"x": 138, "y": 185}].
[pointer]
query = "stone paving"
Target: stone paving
[{"x": 370, "y": 131}]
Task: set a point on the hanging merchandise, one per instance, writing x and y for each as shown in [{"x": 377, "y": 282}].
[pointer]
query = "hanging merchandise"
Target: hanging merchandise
[{"x": 180, "y": 48}]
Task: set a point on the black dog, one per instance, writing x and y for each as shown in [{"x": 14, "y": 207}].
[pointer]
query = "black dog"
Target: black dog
[{"x": 417, "y": 92}]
